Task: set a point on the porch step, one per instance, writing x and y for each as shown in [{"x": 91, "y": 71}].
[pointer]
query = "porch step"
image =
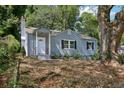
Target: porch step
[{"x": 44, "y": 57}]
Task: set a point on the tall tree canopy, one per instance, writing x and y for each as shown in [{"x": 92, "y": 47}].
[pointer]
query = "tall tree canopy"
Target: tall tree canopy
[
  {"x": 87, "y": 24},
  {"x": 52, "y": 17},
  {"x": 10, "y": 19}
]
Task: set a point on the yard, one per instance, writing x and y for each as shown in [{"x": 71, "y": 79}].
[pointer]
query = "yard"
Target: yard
[{"x": 69, "y": 73}]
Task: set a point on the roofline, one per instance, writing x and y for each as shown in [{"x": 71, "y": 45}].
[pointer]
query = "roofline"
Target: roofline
[{"x": 59, "y": 32}]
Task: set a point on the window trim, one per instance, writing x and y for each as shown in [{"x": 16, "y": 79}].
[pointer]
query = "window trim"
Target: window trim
[{"x": 68, "y": 43}]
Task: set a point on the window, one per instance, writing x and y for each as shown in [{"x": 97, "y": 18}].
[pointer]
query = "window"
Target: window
[
  {"x": 68, "y": 44},
  {"x": 72, "y": 44},
  {"x": 90, "y": 45}
]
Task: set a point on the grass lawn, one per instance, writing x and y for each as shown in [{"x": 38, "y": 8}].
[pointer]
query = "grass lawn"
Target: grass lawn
[{"x": 69, "y": 73}]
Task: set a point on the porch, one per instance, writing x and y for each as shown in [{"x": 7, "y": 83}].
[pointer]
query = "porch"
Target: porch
[
  {"x": 43, "y": 43},
  {"x": 39, "y": 43}
]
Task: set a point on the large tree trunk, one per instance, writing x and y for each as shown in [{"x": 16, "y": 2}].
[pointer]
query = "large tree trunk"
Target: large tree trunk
[
  {"x": 117, "y": 32},
  {"x": 110, "y": 32},
  {"x": 104, "y": 19}
]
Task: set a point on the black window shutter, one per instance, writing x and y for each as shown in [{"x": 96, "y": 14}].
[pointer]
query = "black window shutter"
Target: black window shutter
[
  {"x": 92, "y": 45},
  {"x": 87, "y": 45},
  {"x": 62, "y": 44},
  {"x": 75, "y": 45}
]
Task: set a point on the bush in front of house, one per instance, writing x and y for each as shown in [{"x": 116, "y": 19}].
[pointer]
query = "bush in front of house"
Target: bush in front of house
[
  {"x": 55, "y": 56},
  {"x": 77, "y": 55},
  {"x": 66, "y": 56},
  {"x": 121, "y": 58},
  {"x": 96, "y": 56}
]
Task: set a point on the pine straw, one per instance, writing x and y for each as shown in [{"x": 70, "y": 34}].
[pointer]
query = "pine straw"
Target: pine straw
[{"x": 70, "y": 73}]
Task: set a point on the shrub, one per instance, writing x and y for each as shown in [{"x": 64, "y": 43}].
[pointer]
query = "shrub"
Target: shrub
[
  {"x": 55, "y": 56},
  {"x": 121, "y": 58},
  {"x": 77, "y": 56},
  {"x": 66, "y": 56},
  {"x": 96, "y": 56},
  {"x": 13, "y": 44},
  {"x": 8, "y": 47},
  {"x": 4, "y": 58}
]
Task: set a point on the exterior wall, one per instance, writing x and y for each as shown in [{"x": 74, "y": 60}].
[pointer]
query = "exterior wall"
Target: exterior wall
[
  {"x": 81, "y": 44},
  {"x": 121, "y": 49},
  {"x": 56, "y": 44},
  {"x": 84, "y": 49},
  {"x": 32, "y": 43}
]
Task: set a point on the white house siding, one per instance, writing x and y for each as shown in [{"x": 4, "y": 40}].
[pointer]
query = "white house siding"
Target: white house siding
[{"x": 81, "y": 44}]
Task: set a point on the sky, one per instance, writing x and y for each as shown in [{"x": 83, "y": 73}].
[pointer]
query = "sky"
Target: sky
[
  {"x": 114, "y": 10},
  {"x": 94, "y": 9},
  {"x": 88, "y": 8}
]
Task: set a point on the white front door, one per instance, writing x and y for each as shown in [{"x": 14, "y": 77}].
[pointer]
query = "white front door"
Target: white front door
[{"x": 41, "y": 46}]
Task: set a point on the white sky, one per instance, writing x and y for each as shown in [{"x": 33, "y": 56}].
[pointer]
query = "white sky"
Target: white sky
[{"x": 89, "y": 9}]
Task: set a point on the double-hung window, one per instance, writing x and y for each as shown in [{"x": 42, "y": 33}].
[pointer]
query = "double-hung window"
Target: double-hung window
[{"x": 68, "y": 44}]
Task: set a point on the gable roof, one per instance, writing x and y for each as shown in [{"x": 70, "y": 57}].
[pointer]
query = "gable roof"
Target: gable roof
[
  {"x": 30, "y": 29},
  {"x": 87, "y": 37},
  {"x": 34, "y": 29},
  {"x": 56, "y": 32}
]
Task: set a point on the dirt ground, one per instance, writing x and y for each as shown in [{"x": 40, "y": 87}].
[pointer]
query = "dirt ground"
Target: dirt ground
[{"x": 70, "y": 73}]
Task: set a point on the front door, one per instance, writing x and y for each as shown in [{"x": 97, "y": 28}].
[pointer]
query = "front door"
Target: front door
[{"x": 41, "y": 46}]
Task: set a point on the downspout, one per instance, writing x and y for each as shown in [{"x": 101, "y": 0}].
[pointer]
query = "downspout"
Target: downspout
[
  {"x": 26, "y": 44},
  {"x": 36, "y": 44},
  {"x": 49, "y": 44}
]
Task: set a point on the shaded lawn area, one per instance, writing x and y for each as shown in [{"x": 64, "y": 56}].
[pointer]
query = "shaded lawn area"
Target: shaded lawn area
[{"x": 70, "y": 73}]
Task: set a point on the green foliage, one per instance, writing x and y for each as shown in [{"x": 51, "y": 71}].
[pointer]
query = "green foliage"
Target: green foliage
[
  {"x": 121, "y": 58},
  {"x": 13, "y": 44},
  {"x": 77, "y": 55},
  {"x": 122, "y": 40},
  {"x": 3, "y": 53},
  {"x": 8, "y": 47},
  {"x": 96, "y": 56},
  {"x": 66, "y": 56},
  {"x": 10, "y": 19},
  {"x": 55, "y": 56},
  {"x": 88, "y": 25},
  {"x": 108, "y": 55},
  {"x": 52, "y": 17}
]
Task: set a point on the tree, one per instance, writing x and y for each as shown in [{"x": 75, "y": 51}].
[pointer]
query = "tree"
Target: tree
[
  {"x": 52, "y": 17},
  {"x": 88, "y": 24},
  {"x": 10, "y": 19},
  {"x": 110, "y": 32}
]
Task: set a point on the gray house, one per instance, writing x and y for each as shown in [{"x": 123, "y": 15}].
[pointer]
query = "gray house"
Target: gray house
[{"x": 45, "y": 42}]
